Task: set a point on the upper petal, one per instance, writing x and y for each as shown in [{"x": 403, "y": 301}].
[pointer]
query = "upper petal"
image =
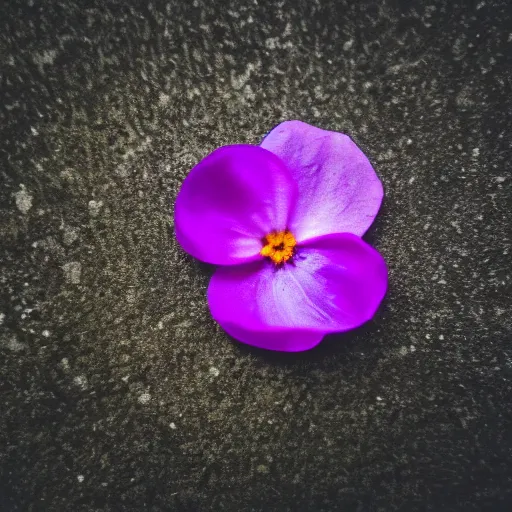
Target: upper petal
[
  {"x": 338, "y": 188},
  {"x": 335, "y": 284},
  {"x": 230, "y": 200}
]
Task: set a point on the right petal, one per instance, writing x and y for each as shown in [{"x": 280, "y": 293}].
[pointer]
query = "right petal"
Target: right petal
[
  {"x": 230, "y": 200},
  {"x": 339, "y": 191}
]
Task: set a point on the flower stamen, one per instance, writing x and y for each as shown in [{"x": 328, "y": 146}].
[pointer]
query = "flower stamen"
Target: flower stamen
[{"x": 279, "y": 246}]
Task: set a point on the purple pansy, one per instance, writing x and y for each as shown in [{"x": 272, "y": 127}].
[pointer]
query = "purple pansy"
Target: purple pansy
[{"x": 283, "y": 221}]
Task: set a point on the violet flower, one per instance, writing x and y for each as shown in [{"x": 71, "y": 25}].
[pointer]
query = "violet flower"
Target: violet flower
[{"x": 283, "y": 221}]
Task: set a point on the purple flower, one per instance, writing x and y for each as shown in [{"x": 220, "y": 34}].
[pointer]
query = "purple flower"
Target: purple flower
[{"x": 284, "y": 220}]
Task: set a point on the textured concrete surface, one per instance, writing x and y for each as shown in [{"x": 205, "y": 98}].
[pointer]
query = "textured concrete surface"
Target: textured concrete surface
[{"x": 118, "y": 392}]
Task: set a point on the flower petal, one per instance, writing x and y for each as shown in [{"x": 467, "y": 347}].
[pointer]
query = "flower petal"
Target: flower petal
[
  {"x": 230, "y": 201},
  {"x": 339, "y": 191},
  {"x": 335, "y": 284}
]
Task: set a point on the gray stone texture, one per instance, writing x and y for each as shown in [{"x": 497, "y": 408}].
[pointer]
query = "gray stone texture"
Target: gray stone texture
[{"x": 118, "y": 391}]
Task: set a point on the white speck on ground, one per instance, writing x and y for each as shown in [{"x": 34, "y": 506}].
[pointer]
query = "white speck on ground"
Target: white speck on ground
[
  {"x": 348, "y": 44},
  {"x": 441, "y": 337},
  {"x": 81, "y": 381},
  {"x": 46, "y": 333},
  {"x": 500, "y": 179},
  {"x": 379, "y": 399},
  {"x": 272, "y": 43},
  {"x": 70, "y": 235},
  {"x": 144, "y": 398},
  {"x": 412, "y": 348},
  {"x": 72, "y": 272},
  {"x": 262, "y": 468},
  {"x": 95, "y": 207},
  {"x": 45, "y": 57},
  {"x": 163, "y": 99},
  {"x": 80, "y": 478},
  {"x": 23, "y": 200},
  {"x": 173, "y": 425},
  {"x": 214, "y": 371},
  {"x": 13, "y": 344},
  {"x": 476, "y": 151},
  {"x": 2, "y": 318}
]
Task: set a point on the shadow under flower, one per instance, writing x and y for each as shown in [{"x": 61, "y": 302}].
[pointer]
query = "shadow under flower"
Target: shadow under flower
[
  {"x": 373, "y": 235},
  {"x": 332, "y": 347}
]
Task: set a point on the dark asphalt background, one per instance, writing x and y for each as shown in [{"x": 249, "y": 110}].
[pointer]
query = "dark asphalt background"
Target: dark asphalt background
[{"x": 118, "y": 391}]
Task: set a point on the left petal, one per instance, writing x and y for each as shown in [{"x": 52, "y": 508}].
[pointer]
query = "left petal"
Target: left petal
[
  {"x": 229, "y": 201},
  {"x": 336, "y": 283},
  {"x": 339, "y": 191}
]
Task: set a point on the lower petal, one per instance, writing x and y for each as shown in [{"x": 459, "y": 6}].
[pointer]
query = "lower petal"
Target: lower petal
[{"x": 336, "y": 283}]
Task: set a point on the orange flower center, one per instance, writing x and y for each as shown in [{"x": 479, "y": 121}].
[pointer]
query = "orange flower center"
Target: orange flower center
[{"x": 279, "y": 246}]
